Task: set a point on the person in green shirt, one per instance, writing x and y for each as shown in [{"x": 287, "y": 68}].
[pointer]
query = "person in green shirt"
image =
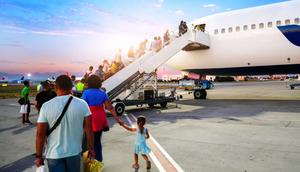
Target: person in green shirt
[
  {"x": 25, "y": 108},
  {"x": 80, "y": 87}
]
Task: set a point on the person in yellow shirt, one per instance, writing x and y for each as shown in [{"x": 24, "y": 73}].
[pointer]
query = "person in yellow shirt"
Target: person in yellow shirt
[
  {"x": 80, "y": 87},
  {"x": 114, "y": 67}
]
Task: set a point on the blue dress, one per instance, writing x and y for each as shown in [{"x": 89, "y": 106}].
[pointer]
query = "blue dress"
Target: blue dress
[{"x": 140, "y": 145}]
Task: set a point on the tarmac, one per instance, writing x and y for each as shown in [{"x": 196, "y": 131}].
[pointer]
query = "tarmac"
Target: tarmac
[{"x": 249, "y": 126}]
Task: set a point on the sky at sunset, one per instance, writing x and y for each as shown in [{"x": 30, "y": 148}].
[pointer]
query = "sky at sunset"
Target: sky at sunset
[{"x": 66, "y": 35}]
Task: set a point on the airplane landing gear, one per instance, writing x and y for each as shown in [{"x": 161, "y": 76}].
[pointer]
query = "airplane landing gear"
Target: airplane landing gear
[{"x": 200, "y": 94}]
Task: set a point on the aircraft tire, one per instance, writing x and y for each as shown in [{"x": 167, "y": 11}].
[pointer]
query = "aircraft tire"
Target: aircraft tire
[
  {"x": 200, "y": 94},
  {"x": 163, "y": 104}
]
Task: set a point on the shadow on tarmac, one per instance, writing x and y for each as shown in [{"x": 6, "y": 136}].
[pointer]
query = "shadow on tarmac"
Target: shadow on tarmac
[
  {"x": 19, "y": 165},
  {"x": 19, "y": 128},
  {"x": 23, "y": 129},
  {"x": 226, "y": 109},
  {"x": 9, "y": 128}
]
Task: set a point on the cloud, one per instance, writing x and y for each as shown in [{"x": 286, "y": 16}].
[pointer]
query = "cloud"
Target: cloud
[
  {"x": 50, "y": 64},
  {"x": 179, "y": 12},
  {"x": 78, "y": 62},
  {"x": 212, "y": 7},
  {"x": 16, "y": 44},
  {"x": 209, "y": 5},
  {"x": 12, "y": 62},
  {"x": 159, "y": 3}
]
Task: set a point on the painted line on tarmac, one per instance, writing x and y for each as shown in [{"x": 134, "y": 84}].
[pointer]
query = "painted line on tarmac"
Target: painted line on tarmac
[
  {"x": 165, "y": 160},
  {"x": 164, "y": 152},
  {"x": 13, "y": 104}
]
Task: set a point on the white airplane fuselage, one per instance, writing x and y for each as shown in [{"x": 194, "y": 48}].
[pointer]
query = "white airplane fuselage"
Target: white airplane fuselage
[{"x": 269, "y": 45}]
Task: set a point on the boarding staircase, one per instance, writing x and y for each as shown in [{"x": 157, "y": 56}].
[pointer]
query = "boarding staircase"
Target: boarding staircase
[{"x": 149, "y": 62}]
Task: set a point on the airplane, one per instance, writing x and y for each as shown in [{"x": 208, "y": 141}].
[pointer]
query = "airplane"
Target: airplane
[
  {"x": 3, "y": 80},
  {"x": 252, "y": 41}
]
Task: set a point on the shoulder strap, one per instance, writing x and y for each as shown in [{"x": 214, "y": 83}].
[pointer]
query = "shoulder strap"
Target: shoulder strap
[{"x": 60, "y": 117}]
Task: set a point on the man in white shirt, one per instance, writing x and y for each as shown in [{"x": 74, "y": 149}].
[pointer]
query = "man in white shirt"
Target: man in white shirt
[{"x": 64, "y": 143}]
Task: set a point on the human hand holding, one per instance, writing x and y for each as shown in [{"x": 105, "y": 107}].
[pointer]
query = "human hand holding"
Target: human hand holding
[
  {"x": 39, "y": 161},
  {"x": 91, "y": 153},
  {"x": 121, "y": 123}
]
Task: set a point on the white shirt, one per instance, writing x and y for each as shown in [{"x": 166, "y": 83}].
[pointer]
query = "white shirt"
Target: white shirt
[{"x": 66, "y": 139}]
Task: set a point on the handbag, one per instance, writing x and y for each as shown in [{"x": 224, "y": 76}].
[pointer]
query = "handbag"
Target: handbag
[
  {"x": 91, "y": 165},
  {"x": 21, "y": 101},
  {"x": 60, "y": 117},
  {"x": 23, "y": 108},
  {"x": 41, "y": 169}
]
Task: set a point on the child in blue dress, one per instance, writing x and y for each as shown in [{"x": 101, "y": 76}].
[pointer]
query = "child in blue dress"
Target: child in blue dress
[{"x": 140, "y": 146}]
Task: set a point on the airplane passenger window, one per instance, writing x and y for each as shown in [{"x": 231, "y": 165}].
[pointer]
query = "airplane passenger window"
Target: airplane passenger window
[
  {"x": 269, "y": 24},
  {"x": 223, "y": 30},
  {"x": 245, "y": 27},
  {"x": 261, "y": 25},
  {"x": 253, "y": 26},
  {"x": 237, "y": 28},
  {"x": 287, "y": 21},
  {"x": 278, "y": 23},
  {"x": 216, "y": 31},
  {"x": 296, "y": 21},
  {"x": 230, "y": 29}
]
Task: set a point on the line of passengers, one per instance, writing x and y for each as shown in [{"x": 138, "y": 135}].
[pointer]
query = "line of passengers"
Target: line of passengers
[{"x": 106, "y": 69}]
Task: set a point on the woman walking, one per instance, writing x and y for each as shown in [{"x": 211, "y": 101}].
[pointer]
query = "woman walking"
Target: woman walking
[{"x": 97, "y": 101}]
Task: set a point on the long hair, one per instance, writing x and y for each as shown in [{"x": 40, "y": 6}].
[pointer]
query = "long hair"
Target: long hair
[{"x": 141, "y": 120}]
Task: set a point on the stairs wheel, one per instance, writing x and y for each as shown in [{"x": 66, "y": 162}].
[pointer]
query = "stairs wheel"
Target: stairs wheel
[{"x": 119, "y": 108}]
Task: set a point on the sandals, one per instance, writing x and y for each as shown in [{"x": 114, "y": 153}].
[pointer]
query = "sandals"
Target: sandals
[
  {"x": 148, "y": 165},
  {"x": 135, "y": 166}
]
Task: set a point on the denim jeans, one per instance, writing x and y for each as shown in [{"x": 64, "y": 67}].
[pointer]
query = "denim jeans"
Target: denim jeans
[
  {"x": 68, "y": 164},
  {"x": 98, "y": 146}
]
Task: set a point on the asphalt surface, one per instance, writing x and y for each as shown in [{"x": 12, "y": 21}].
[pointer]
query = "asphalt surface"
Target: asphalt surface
[{"x": 251, "y": 126}]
